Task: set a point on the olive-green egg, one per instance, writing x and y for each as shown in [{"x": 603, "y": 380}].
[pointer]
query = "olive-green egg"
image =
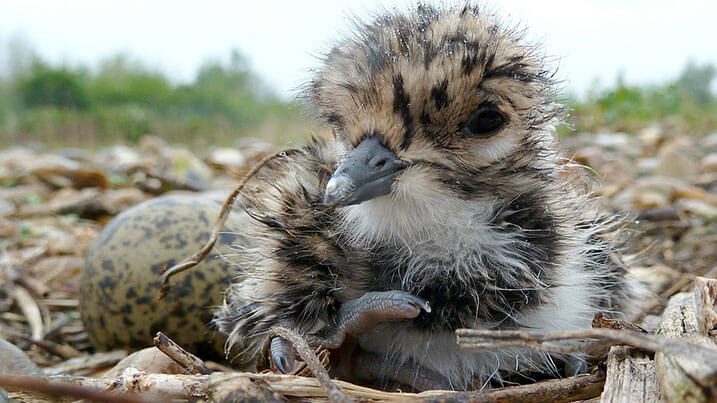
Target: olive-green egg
[{"x": 119, "y": 282}]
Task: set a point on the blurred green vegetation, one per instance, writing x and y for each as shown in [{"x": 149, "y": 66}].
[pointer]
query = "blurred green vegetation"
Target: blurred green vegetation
[
  {"x": 686, "y": 104},
  {"x": 122, "y": 100}
]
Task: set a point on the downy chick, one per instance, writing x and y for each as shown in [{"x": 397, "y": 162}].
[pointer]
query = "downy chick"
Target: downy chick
[{"x": 439, "y": 203}]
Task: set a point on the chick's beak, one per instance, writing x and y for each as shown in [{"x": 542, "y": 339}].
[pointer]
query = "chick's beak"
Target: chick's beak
[{"x": 366, "y": 173}]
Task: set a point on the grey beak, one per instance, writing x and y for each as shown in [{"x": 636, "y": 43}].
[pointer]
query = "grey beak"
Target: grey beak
[{"x": 366, "y": 173}]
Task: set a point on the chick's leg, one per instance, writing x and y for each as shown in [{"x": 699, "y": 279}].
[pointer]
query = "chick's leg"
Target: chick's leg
[
  {"x": 363, "y": 314},
  {"x": 356, "y": 317}
]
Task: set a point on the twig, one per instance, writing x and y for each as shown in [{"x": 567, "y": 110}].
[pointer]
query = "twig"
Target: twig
[
  {"x": 218, "y": 226},
  {"x": 579, "y": 387},
  {"x": 705, "y": 293},
  {"x": 87, "y": 364},
  {"x": 64, "y": 351},
  {"x": 181, "y": 387},
  {"x": 497, "y": 339},
  {"x": 312, "y": 362},
  {"x": 57, "y": 389},
  {"x": 188, "y": 361},
  {"x": 30, "y": 309},
  {"x": 600, "y": 321},
  {"x": 35, "y": 286}
]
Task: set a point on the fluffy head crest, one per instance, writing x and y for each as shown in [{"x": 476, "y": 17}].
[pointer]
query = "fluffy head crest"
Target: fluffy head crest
[{"x": 417, "y": 77}]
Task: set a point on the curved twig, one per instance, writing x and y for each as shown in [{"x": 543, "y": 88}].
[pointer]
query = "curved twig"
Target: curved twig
[
  {"x": 334, "y": 393},
  {"x": 63, "y": 389},
  {"x": 195, "y": 259}
]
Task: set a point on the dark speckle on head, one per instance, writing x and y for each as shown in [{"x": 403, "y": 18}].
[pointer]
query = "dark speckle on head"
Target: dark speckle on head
[
  {"x": 401, "y": 106},
  {"x": 439, "y": 95}
]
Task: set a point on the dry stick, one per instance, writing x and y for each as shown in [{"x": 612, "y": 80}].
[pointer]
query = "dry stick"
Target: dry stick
[
  {"x": 35, "y": 286},
  {"x": 496, "y": 339},
  {"x": 218, "y": 226},
  {"x": 579, "y": 387},
  {"x": 188, "y": 361},
  {"x": 64, "y": 351},
  {"x": 30, "y": 309},
  {"x": 302, "y": 348},
  {"x": 56, "y": 389}
]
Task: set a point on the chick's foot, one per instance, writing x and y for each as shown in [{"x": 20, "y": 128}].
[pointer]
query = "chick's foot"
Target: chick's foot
[{"x": 355, "y": 317}]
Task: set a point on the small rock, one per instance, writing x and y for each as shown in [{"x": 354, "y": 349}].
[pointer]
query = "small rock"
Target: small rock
[
  {"x": 149, "y": 360},
  {"x": 22, "y": 193},
  {"x": 651, "y": 136},
  {"x": 189, "y": 167},
  {"x": 676, "y": 161},
  {"x": 697, "y": 207},
  {"x": 14, "y": 361},
  {"x": 119, "y": 200},
  {"x": 592, "y": 156},
  {"x": 612, "y": 140},
  {"x": 8, "y": 228},
  {"x": 154, "y": 145},
  {"x": 645, "y": 200},
  {"x": 6, "y": 175},
  {"x": 226, "y": 158},
  {"x": 709, "y": 163},
  {"x": 120, "y": 157},
  {"x": 709, "y": 143},
  {"x": 648, "y": 165},
  {"x": 64, "y": 172},
  {"x": 649, "y": 192},
  {"x": 657, "y": 278},
  {"x": 7, "y": 208}
]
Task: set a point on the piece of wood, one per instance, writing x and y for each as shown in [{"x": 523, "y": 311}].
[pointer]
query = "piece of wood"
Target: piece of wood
[
  {"x": 579, "y": 387},
  {"x": 684, "y": 377},
  {"x": 261, "y": 387},
  {"x": 47, "y": 387},
  {"x": 88, "y": 364},
  {"x": 706, "y": 305},
  {"x": 29, "y": 308},
  {"x": 239, "y": 389},
  {"x": 630, "y": 377},
  {"x": 190, "y": 362}
]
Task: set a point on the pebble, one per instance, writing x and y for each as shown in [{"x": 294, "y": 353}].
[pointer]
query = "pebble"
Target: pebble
[
  {"x": 676, "y": 161},
  {"x": 150, "y": 360},
  {"x": 697, "y": 207},
  {"x": 709, "y": 163},
  {"x": 14, "y": 361}
]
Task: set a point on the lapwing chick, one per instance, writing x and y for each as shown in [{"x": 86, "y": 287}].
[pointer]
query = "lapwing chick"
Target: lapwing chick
[{"x": 440, "y": 202}]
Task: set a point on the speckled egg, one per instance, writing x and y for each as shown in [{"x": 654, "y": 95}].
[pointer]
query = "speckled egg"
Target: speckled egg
[{"x": 119, "y": 282}]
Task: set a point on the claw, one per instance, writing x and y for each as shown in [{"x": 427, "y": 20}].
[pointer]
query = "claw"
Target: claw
[
  {"x": 575, "y": 366},
  {"x": 419, "y": 303},
  {"x": 360, "y": 315},
  {"x": 282, "y": 355}
]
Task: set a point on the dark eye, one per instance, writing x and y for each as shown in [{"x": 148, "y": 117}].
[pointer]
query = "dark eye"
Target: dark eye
[{"x": 484, "y": 122}]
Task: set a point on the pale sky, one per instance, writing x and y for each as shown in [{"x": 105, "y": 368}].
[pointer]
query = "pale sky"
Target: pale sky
[{"x": 648, "y": 40}]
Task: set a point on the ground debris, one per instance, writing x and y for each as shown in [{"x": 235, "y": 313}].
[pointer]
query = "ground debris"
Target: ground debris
[{"x": 54, "y": 204}]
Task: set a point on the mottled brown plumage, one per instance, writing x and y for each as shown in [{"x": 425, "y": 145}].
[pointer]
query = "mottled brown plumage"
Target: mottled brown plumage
[{"x": 469, "y": 207}]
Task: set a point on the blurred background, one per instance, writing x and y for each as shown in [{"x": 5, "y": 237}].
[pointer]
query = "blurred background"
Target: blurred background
[{"x": 89, "y": 73}]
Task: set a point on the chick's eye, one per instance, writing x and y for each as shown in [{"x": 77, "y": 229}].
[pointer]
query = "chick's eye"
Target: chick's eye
[{"x": 484, "y": 122}]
